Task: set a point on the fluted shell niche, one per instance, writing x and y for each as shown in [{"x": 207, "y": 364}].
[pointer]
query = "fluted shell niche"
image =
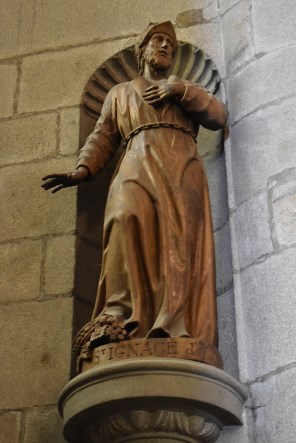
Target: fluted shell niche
[{"x": 189, "y": 63}]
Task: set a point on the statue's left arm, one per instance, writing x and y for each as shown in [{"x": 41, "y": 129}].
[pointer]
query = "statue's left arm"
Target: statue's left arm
[{"x": 203, "y": 107}]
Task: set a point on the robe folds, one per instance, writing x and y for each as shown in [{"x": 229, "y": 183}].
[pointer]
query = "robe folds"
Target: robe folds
[{"x": 158, "y": 272}]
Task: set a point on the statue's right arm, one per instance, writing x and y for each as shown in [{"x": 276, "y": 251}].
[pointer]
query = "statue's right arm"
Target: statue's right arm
[
  {"x": 96, "y": 152},
  {"x": 56, "y": 182},
  {"x": 104, "y": 140}
]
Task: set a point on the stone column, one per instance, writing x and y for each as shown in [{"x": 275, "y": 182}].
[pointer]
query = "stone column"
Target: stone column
[{"x": 260, "y": 55}]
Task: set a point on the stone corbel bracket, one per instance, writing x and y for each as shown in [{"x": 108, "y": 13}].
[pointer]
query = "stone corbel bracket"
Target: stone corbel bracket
[{"x": 151, "y": 399}]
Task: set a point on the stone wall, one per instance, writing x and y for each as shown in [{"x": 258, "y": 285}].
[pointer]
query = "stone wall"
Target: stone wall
[
  {"x": 49, "y": 50},
  {"x": 260, "y": 50}
]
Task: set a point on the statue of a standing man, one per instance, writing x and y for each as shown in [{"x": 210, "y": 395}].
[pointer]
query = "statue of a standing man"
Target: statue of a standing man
[{"x": 158, "y": 277}]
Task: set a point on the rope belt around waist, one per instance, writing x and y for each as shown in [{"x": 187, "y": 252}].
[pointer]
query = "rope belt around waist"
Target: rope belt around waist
[{"x": 155, "y": 126}]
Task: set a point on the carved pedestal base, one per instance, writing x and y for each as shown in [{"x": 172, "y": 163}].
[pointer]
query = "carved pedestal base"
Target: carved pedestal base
[
  {"x": 157, "y": 426},
  {"x": 150, "y": 400}
]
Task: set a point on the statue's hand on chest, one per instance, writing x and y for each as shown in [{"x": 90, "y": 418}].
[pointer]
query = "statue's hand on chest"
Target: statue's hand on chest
[{"x": 156, "y": 95}]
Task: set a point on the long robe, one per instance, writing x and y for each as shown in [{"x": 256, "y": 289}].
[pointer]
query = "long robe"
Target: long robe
[{"x": 158, "y": 272}]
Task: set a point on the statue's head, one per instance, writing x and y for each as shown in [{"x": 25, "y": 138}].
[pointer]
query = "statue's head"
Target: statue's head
[{"x": 156, "y": 46}]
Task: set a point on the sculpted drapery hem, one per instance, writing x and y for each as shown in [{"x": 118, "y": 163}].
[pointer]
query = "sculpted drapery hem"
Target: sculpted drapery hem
[{"x": 158, "y": 273}]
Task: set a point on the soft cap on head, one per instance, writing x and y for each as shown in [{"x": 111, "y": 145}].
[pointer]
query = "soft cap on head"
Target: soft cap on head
[{"x": 154, "y": 28}]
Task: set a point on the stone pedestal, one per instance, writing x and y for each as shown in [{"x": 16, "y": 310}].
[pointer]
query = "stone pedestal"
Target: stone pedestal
[{"x": 150, "y": 400}]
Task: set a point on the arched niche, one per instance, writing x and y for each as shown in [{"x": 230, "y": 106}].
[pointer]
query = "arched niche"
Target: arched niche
[{"x": 189, "y": 63}]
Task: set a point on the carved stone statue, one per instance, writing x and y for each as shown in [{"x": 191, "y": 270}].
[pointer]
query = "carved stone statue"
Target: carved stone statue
[{"x": 158, "y": 274}]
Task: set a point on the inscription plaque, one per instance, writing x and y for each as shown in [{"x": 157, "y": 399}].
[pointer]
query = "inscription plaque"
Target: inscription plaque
[{"x": 183, "y": 348}]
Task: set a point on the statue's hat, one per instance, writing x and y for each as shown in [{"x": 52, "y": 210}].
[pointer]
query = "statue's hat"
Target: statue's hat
[{"x": 154, "y": 28}]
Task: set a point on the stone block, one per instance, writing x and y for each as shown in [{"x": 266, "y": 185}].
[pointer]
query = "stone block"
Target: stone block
[
  {"x": 55, "y": 24},
  {"x": 59, "y": 264},
  {"x": 252, "y": 230},
  {"x": 91, "y": 203},
  {"x": 20, "y": 270},
  {"x": 223, "y": 259},
  {"x": 274, "y": 405},
  {"x": 205, "y": 37},
  {"x": 227, "y": 4},
  {"x": 88, "y": 269},
  {"x": 227, "y": 332},
  {"x": 273, "y": 27},
  {"x": 201, "y": 4},
  {"x": 69, "y": 131},
  {"x": 210, "y": 12},
  {"x": 16, "y": 15},
  {"x": 43, "y": 425},
  {"x": 282, "y": 195},
  {"x": 200, "y": 15},
  {"x": 82, "y": 315},
  {"x": 71, "y": 22},
  {"x": 189, "y": 18},
  {"x": 57, "y": 79},
  {"x": 210, "y": 143},
  {"x": 237, "y": 36},
  {"x": 26, "y": 210},
  {"x": 221, "y": 94},
  {"x": 282, "y": 184},
  {"x": 218, "y": 190},
  {"x": 10, "y": 426},
  {"x": 235, "y": 434},
  {"x": 37, "y": 338},
  {"x": 265, "y": 80},
  {"x": 8, "y": 76},
  {"x": 231, "y": 434},
  {"x": 229, "y": 173},
  {"x": 268, "y": 315},
  {"x": 260, "y": 147},
  {"x": 284, "y": 220},
  {"x": 28, "y": 138}
]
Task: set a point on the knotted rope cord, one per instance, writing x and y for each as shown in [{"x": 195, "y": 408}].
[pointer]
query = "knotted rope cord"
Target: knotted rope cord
[{"x": 155, "y": 126}]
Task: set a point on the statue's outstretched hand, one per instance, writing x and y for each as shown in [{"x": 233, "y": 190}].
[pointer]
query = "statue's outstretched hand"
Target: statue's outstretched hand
[
  {"x": 60, "y": 181},
  {"x": 155, "y": 95}
]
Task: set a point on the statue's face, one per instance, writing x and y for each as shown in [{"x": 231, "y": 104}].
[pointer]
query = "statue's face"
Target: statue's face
[{"x": 158, "y": 52}]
